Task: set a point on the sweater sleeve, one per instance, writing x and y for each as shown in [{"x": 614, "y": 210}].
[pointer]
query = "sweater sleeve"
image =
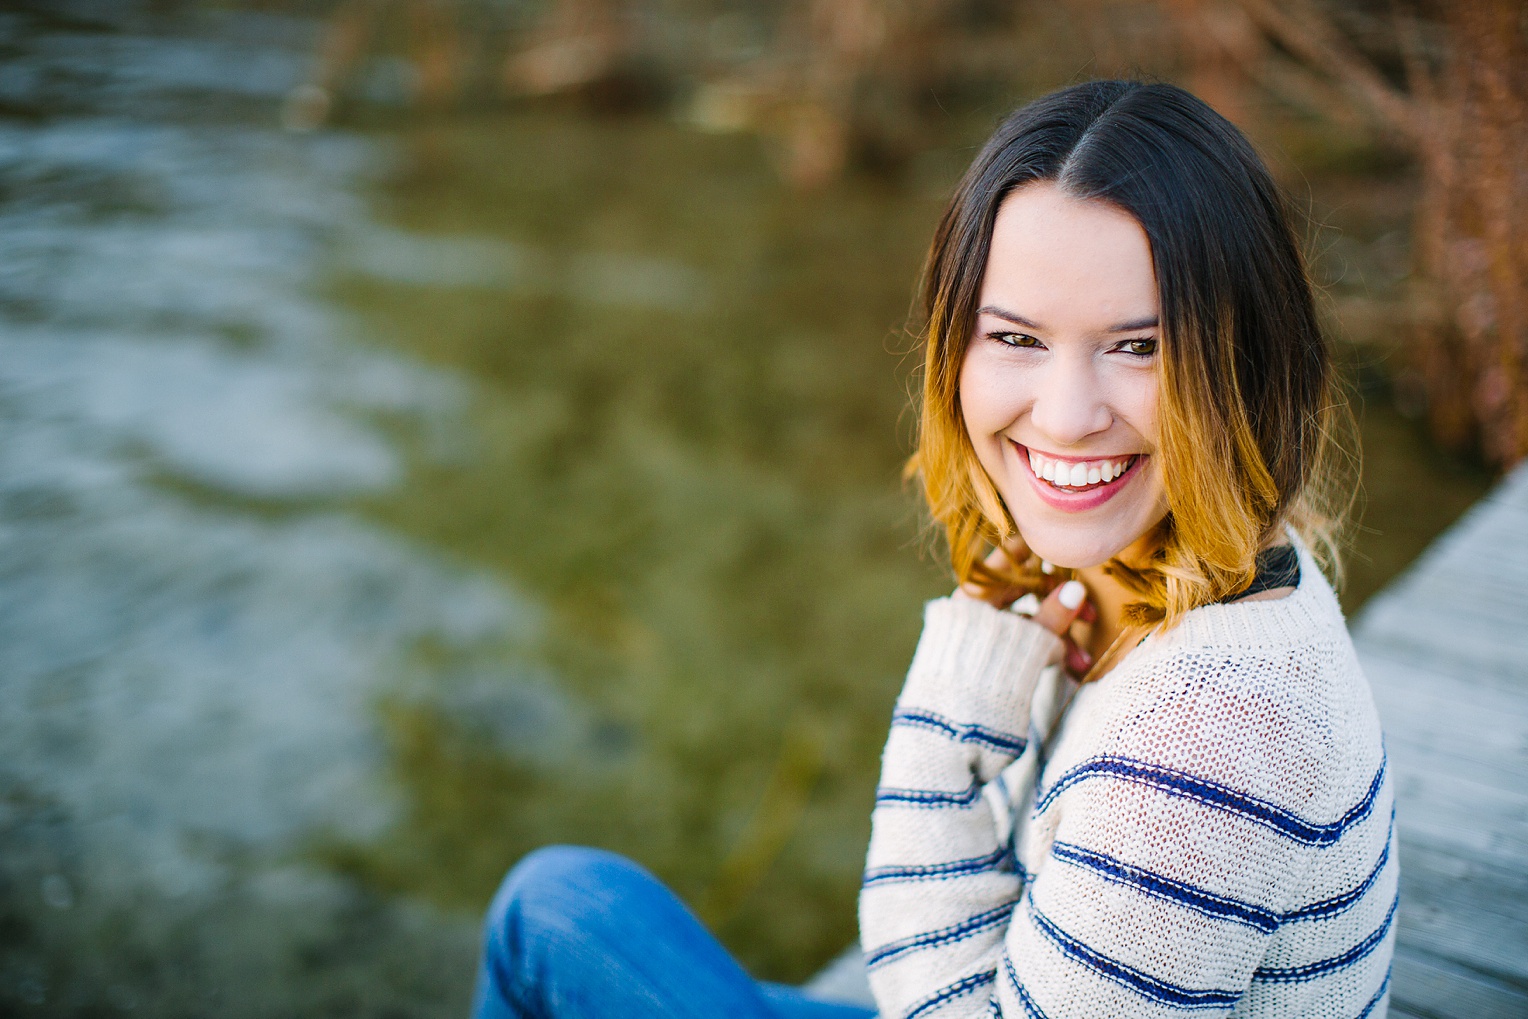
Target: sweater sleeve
[
  {"x": 1172, "y": 849},
  {"x": 940, "y": 883}
]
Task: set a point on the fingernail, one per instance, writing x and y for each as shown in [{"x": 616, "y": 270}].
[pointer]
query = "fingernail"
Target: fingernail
[
  {"x": 1028, "y": 605},
  {"x": 1072, "y": 594},
  {"x": 1046, "y": 567}
]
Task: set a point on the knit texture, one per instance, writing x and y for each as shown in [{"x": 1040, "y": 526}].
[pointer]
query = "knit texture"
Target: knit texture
[{"x": 1208, "y": 828}]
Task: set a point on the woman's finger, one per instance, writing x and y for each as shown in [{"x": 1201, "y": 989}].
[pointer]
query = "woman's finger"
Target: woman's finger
[
  {"x": 1061, "y": 607},
  {"x": 998, "y": 561},
  {"x": 1076, "y": 659}
]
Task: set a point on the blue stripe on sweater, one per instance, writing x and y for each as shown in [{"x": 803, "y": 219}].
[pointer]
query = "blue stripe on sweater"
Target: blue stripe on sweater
[
  {"x": 1030, "y": 1008},
  {"x": 960, "y": 732},
  {"x": 963, "y": 986},
  {"x": 936, "y": 871},
  {"x": 1214, "y": 794},
  {"x": 929, "y": 797},
  {"x": 1207, "y": 902},
  {"x": 1015, "y": 863},
  {"x": 1197, "y": 899},
  {"x": 1142, "y": 983},
  {"x": 1374, "y": 1001},
  {"x": 1033, "y": 1010},
  {"x": 944, "y": 936},
  {"x": 1314, "y": 970},
  {"x": 1338, "y": 903}
]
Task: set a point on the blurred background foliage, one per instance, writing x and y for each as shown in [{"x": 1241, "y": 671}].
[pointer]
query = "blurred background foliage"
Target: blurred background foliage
[{"x": 667, "y": 249}]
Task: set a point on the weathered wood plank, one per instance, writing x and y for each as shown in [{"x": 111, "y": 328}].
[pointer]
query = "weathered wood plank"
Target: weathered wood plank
[
  {"x": 1500, "y": 773},
  {"x": 1457, "y": 696},
  {"x": 1432, "y": 988},
  {"x": 1468, "y": 911},
  {"x": 1429, "y": 698},
  {"x": 1446, "y": 651},
  {"x": 1464, "y": 604},
  {"x": 1450, "y": 732},
  {"x": 1449, "y": 809}
]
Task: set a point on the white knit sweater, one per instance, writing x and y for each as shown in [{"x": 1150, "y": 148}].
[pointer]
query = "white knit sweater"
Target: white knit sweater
[{"x": 1211, "y": 830}]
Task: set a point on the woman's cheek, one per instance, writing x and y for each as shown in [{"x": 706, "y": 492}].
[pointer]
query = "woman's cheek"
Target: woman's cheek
[
  {"x": 1147, "y": 402},
  {"x": 991, "y": 400}
]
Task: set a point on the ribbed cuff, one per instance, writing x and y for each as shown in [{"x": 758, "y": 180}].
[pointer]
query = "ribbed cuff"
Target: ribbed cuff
[{"x": 978, "y": 664}]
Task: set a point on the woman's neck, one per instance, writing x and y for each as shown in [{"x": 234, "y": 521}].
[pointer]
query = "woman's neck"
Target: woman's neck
[{"x": 1109, "y": 598}]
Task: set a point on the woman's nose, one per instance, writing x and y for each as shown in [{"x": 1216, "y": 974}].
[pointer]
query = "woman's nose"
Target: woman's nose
[{"x": 1070, "y": 404}]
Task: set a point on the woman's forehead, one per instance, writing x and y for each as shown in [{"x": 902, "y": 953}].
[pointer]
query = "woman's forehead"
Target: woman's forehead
[{"x": 1065, "y": 263}]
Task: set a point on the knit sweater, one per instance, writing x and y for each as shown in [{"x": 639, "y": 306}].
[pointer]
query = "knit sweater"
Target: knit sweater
[{"x": 1208, "y": 828}]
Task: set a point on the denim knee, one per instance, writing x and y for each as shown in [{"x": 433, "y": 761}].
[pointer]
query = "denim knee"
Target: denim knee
[
  {"x": 557, "y": 875},
  {"x": 555, "y": 889},
  {"x": 583, "y": 932}
]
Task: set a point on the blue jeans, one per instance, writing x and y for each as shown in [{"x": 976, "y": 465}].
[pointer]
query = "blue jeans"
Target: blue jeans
[{"x": 582, "y": 934}]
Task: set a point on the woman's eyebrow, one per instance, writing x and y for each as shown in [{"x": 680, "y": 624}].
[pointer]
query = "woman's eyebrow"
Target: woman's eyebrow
[
  {"x": 1149, "y": 322},
  {"x": 1014, "y": 317}
]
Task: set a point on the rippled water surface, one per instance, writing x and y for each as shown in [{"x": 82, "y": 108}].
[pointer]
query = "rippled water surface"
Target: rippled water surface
[{"x": 377, "y": 505}]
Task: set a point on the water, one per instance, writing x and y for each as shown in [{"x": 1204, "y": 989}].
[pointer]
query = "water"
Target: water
[
  {"x": 379, "y": 504},
  {"x": 195, "y": 631}
]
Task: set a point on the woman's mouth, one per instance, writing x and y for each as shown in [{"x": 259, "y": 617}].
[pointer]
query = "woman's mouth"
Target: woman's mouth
[
  {"x": 1078, "y": 485},
  {"x": 1078, "y": 475}
]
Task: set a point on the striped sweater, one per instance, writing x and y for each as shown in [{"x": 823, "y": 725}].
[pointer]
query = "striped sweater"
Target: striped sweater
[{"x": 1207, "y": 829}]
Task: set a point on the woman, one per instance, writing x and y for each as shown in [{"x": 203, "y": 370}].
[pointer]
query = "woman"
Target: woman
[
  {"x": 1126, "y": 397},
  {"x": 1125, "y": 378}
]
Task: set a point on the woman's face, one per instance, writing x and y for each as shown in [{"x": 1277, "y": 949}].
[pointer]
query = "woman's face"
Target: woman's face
[{"x": 1059, "y": 384}]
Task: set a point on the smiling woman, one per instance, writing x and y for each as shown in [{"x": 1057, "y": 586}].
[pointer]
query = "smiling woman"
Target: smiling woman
[
  {"x": 1128, "y": 411},
  {"x": 1126, "y": 287}
]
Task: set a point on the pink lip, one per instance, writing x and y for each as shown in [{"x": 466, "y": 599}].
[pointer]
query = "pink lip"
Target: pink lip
[{"x": 1077, "y": 502}]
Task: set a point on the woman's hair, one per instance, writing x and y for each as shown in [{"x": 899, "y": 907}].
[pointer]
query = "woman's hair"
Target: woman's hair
[{"x": 1247, "y": 407}]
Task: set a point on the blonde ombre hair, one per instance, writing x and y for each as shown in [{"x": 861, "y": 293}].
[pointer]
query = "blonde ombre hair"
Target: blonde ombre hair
[{"x": 1248, "y": 409}]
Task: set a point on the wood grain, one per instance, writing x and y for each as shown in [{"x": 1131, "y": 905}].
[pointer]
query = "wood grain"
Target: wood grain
[{"x": 1445, "y": 648}]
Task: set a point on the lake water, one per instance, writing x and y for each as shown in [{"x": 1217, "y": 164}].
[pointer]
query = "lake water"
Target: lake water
[{"x": 381, "y": 503}]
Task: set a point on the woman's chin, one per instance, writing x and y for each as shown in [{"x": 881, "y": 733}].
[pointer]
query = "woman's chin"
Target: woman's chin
[
  {"x": 1073, "y": 554},
  {"x": 1079, "y": 544}
]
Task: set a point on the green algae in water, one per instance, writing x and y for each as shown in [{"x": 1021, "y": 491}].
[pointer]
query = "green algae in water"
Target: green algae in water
[{"x": 704, "y": 495}]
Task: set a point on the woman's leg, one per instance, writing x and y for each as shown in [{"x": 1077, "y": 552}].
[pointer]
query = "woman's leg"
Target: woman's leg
[{"x": 585, "y": 934}]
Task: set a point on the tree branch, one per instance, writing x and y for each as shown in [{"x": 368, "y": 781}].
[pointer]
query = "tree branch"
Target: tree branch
[{"x": 1310, "y": 36}]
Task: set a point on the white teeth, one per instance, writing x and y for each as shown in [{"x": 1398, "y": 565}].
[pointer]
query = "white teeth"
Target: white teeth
[{"x": 1077, "y": 475}]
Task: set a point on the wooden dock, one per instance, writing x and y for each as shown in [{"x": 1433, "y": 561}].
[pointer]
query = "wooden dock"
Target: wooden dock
[
  {"x": 1446, "y": 651},
  {"x": 1445, "y": 647}
]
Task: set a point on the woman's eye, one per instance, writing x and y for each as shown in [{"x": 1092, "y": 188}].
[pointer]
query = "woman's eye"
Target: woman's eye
[
  {"x": 1144, "y": 347},
  {"x": 1016, "y": 339}
]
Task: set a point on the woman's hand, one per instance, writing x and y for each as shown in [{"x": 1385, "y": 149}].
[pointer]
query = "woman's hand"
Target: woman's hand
[{"x": 1066, "y": 605}]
